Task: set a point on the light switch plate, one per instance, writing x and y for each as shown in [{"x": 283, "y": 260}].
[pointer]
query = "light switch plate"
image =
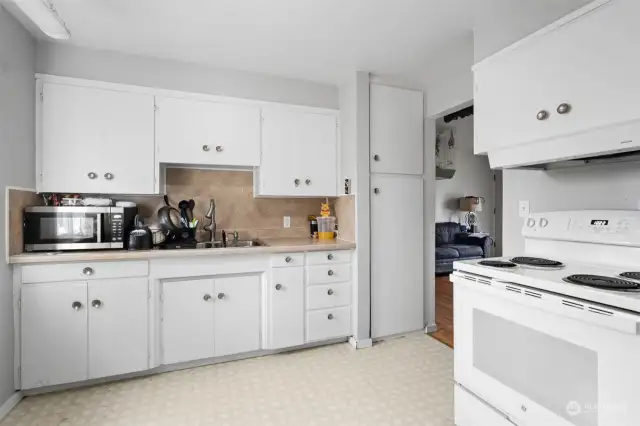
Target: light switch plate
[
  {"x": 287, "y": 222},
  {"x": 523, "y": 209}
]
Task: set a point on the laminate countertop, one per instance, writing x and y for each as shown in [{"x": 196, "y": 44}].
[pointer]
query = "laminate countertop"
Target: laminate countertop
[{"x": 272, "y": 245}]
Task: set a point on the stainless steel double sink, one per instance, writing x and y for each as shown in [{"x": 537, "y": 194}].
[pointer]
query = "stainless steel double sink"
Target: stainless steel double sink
[{"x": 230, "y": 244}]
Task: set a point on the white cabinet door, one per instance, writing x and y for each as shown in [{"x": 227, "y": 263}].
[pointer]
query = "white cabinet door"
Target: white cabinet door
[
  {"x": 208, "y": 133},
  {"x": 298, "y": 154},
  {"x": 237, "y": 315},
  {"x": 54, "y": 333},
  {"x": 118, "y": 326},
  {"x": 397, "y": 255},
  {"x": 187, "y": 320},
  {"x": 284, "y": 314},
  {"x": 396, "y": 130},
  {"x": 96, "y": 141},
  {"x": 584, "y": 63}
]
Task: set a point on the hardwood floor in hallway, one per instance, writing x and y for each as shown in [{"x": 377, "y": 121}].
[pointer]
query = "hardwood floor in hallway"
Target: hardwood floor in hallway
[{"x": 444, "y": 311}]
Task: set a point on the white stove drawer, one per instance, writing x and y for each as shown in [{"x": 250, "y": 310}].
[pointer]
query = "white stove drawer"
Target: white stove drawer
[{"x": 472, "y": 411}]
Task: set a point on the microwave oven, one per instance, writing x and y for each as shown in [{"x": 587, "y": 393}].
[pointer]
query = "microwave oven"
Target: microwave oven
[{"x": 53, "y": 228}]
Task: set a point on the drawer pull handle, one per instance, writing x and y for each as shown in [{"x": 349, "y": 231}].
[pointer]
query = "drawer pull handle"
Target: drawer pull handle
[
  {"x": 92, "y": 175},
  {"x": 376, "y": 158},
  {"x": 542, "y": 115},
  {"x": 207, "y": 297},
  {"x": 288, "y": 259},
  {"x": 564, "y": 108},
  {"x": 278, "y": 286},
  {"x": 218, "y": 148},
  {"x": 108, "y": 176},
  {"x": 296, "y": 182},
  {"x": 221, "y": 296},
  {"x": 330, "y": 292},
  {"x": 76, "y": 306},
  {"x": 87, "y": 271},
  {"x": 205, "y": 148},
  {"x": 308, "y": 181},
  {"x": 330, "y": 256},
  {"x": 330, "y": 316},
  {"x": 96, "y": 303},
  {"x": 330, "y": 273}
]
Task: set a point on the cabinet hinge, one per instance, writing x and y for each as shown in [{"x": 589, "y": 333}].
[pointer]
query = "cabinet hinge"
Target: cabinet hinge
[
  {"x": 162, "y": 296},
  {"x": 20, "y": 374},
  {"x": 155, "y": 108},
  {"x": 41, "y": 97},
  {"x": 494, "y": 211},
  {"x": 19, "y": 304}
]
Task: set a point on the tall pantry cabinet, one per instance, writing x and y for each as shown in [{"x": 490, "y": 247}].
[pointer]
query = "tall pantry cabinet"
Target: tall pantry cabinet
[{"x": 397, "y": 217}]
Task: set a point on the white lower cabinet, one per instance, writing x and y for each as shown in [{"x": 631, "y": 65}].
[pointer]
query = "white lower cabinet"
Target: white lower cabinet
[
  {"x": 237, "y": 315},
  {"x": 79, "y": 330},
  {"x": 54, "y": 333},
  {"x": 284, "y": 313},
  {"x": 204, "y": 318},
  {"x": 118, "y": 326}
]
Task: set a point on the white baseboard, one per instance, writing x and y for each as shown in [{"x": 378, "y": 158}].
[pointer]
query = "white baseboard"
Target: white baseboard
[
  {"x": 360, "y": 344},
  {"x": 431, "y": 328},
  {"x": 10, "y": 403}
]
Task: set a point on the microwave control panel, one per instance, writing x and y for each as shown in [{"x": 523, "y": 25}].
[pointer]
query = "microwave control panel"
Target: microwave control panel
[{"x": 117, "y": 224}]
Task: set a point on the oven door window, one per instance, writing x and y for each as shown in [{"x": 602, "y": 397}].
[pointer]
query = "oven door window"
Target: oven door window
[
  {"x": 550, "y": 371},
  {"x": 62, "y": 228}
]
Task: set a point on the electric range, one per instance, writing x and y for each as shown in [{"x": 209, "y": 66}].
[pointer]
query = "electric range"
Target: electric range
[{"x": 552, "y": 336}]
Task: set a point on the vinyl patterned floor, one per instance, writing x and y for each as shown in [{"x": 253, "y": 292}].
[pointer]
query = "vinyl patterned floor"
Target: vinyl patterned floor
[{"x": 406, "y": 381}]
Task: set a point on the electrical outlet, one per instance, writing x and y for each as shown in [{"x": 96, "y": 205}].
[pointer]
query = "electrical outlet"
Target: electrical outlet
[
  {"x": 523, "y": 209},
  {"x": 287, "y": 222}
]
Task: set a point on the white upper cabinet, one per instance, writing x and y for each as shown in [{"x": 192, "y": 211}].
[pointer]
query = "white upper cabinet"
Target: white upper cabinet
[
  {"x": 396, "y": 137},
  {"x": 95, "y": 141},
  {"x": 207, "y": 133},
  {"x": 299, "y": 154},
  {"x": 574, "y": 77}
]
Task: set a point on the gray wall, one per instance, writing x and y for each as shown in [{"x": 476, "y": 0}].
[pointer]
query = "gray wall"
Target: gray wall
[
  {"x": 473, "y": 177},
  {"x": 71, "y": 61},
  {"x": 615, "y": 186},
  {"x": 499, "y": 23},
  {"x": 17, "y": 159}
]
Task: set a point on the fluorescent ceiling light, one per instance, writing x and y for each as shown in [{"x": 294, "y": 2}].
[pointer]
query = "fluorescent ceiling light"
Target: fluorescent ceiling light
[{"x": 45, "y": 16}]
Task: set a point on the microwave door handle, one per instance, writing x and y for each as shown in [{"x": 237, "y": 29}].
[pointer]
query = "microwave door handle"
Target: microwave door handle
[{"x": 99, "y": 227}]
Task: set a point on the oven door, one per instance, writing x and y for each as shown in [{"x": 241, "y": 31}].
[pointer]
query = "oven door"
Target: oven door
[
  {"x": 67, "y": 228},
  {"x": 544, "y": 359}
]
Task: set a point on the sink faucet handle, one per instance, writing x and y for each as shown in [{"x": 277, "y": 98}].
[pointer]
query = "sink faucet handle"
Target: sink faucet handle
[{"x": 236, "y": 236}]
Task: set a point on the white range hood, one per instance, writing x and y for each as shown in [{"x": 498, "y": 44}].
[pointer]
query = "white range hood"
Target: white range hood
[{"x": 609, "y": 144}]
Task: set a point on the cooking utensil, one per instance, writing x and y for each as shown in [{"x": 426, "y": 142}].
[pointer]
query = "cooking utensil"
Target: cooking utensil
[
  {"x": 169, "y": 217},
  {"x": 192, "y": 206},
  {"x": 184, "y": 206}
]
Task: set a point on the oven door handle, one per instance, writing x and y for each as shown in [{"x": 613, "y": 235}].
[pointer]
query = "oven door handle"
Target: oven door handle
[
  {"x": 99, "y": 227},
  {"x": 592, "y": 313}
]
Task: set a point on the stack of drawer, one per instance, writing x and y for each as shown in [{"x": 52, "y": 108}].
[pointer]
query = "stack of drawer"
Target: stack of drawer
[{"x": 328, "y": 295}]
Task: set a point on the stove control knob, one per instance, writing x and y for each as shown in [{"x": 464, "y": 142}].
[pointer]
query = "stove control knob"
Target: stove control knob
[
  {"x": 531, "y": 222},
  {"x": 543, "y": 223}
]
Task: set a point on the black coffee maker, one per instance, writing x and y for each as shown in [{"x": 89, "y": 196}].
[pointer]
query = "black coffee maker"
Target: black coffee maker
[{"x": 140, "y": 237}]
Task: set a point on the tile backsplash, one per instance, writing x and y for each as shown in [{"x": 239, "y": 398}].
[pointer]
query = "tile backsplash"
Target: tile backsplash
[{"x": 236, "y": 208}]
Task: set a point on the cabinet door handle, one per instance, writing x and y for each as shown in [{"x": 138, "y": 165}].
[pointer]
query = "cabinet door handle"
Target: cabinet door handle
[
  {"x": 288, "y": 259},
  {"x": 330, "y": 316},
  {"x": 205, "y": 148},
  {"x": 308, "y": 181},
  {"x": 564, "y": 108},
  {"x": 96, "y": 303},
  {"x": 376, "y": 157},
  {"x": 296, "y": 182},
  {"x": 221, "y": 296},
  {"x": 108, "y": 176},
  {"x": 218, "y": 148},
  {"x": 330, "y": 292},
  {"x": 330, "y": 273},
  {"x": 87, "y": 271},
  {"x": 92, "y": 175},
  {"x": 376, "y": 191},
  {"x": 207, "y": 297},
  {"x": 542, "y": 115},
  {"x": 76, "y": 306},
  {"x": 330, "y": 256},
  {"x": 278, "y": 286}
]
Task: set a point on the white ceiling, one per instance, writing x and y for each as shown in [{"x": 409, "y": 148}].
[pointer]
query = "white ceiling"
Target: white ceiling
[{"x": 319, "y": 40}]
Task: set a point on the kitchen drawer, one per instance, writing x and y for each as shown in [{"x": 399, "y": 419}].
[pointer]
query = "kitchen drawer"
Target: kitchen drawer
[
  {"x": 286, "y": 260},
  {"x": 328, "y": 323},
  {"x": 84, "y": 271},
  {"x": 326, "y": 274},
  {"x": 328, "y": 296},
  {"x": 328, "y": 257}
]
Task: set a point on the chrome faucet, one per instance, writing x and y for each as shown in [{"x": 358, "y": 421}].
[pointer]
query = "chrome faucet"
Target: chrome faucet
[{"x": 211, "y": 215}]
